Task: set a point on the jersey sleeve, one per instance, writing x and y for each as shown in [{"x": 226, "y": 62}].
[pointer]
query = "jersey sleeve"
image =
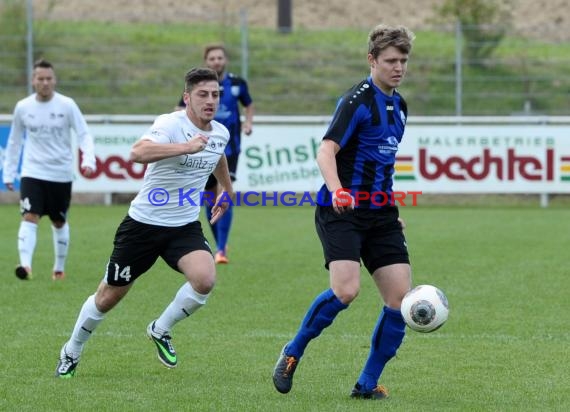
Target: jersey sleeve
[
  {"x": 344, "y": 122},
  {"x": 244, "y": 96},
  {"x": 161, "y": 131},
  {"x": 404, "y": 107},
  {"x": 84, "y": 138},
  {"x": 13, "y": 147}
]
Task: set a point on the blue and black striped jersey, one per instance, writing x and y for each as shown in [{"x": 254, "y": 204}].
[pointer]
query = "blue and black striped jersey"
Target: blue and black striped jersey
[
  {"x": 233, "y": 90},
  {"x": 368, "y": 125}
]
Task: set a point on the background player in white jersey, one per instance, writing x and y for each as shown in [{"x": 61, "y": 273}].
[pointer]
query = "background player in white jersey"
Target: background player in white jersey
[
  {"x": 45, "y": 118},
  {"x": 182, "y": 149}
]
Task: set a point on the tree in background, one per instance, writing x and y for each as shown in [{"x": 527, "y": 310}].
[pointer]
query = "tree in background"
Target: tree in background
[{"x": 483, "y": 24}]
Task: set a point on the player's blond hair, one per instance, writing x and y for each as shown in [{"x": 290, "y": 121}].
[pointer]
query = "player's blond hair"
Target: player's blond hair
[{"x": 382, "y": 36}]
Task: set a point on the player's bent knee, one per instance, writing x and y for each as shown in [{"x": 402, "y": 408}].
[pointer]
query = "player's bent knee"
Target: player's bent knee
[
  {"x": 203, "y": 284},
  {"x": 108, "y": 296},
  {"x": 31, "y": 217},
  {"x": 346, "y": 295},
  {"x": 58, "y": 224}
]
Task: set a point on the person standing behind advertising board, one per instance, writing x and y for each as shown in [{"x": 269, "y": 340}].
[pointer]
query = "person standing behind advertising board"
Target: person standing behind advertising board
[{"x": 233, "y": 92}]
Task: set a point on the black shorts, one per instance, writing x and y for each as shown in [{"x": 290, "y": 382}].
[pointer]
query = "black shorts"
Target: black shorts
[
  {"x": 232, "y": 166},
  {"x": 43, "y": 197},
  {"x": 137, "y": 246},
  {"x": 373, "y": 235}
]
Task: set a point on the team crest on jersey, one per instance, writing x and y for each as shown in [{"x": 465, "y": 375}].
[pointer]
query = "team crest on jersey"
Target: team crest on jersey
[
  {"x": 390, "y": 146},
  {"x": 215, "y": 146},
  {"x": 235, "y": 91}
]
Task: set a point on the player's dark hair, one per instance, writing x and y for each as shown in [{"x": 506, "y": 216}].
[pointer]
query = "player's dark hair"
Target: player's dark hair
[
  {"x": 197, "y": 75},
  {"x": 211, "y": 47},
  {"x": 381, "y": 37},
  {"x": 44, "y": 64}
]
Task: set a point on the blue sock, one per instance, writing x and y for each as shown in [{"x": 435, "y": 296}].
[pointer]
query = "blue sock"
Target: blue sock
[
  {"x": 223, "y": 227},
  {"x": 386, "y": 339},
  {"x": 321, "y": 314},
  {"x": 212, "y": 226}
]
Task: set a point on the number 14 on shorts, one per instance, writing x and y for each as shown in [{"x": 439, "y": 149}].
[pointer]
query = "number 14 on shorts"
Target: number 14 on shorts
[{"x": 119, "y": 275}]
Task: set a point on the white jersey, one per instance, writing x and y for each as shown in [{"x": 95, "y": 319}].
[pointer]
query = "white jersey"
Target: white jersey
[
  {"x": 48, "y": 153},
  {"x": 172, "y": 188}
]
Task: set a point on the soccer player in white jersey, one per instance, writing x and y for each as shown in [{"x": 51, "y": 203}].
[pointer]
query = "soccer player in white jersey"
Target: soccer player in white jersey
[
  {"x": 45, "y": 118},
  {"x": 181, "y": 149}
]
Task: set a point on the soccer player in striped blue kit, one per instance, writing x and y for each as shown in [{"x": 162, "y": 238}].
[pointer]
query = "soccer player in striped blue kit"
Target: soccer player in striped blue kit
[
  {"x": 356, "y": 158},
  {"x": 233, "y": 92}
]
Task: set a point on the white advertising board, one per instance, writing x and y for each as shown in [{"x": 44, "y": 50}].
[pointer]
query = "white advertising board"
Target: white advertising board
[
  {"x": 431, "y": 159},
  {"x": 444, "y": 158},
  {"x": 114, "y": 172},
  {"x": 485, "y": 159}
]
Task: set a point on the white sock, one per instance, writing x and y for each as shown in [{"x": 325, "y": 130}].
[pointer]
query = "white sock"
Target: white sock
[
  {"x": 27, "y": 242},
  {"x": 186, "y": 302},
  {"x": 88, "y": 319},
  {"x": 60, "y": 246}
]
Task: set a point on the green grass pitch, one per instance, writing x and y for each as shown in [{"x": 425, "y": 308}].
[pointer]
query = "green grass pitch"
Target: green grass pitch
[{"x": 505, "y": 347}]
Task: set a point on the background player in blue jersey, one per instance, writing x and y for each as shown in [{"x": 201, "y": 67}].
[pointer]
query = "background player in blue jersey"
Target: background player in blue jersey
[
  {"x": 356, "y": 158},
  {"x": 234, "y": 91}
]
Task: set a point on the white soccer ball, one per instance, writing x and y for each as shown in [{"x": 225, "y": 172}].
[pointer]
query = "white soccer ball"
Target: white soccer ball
[{"x": 425, "y": 308}]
